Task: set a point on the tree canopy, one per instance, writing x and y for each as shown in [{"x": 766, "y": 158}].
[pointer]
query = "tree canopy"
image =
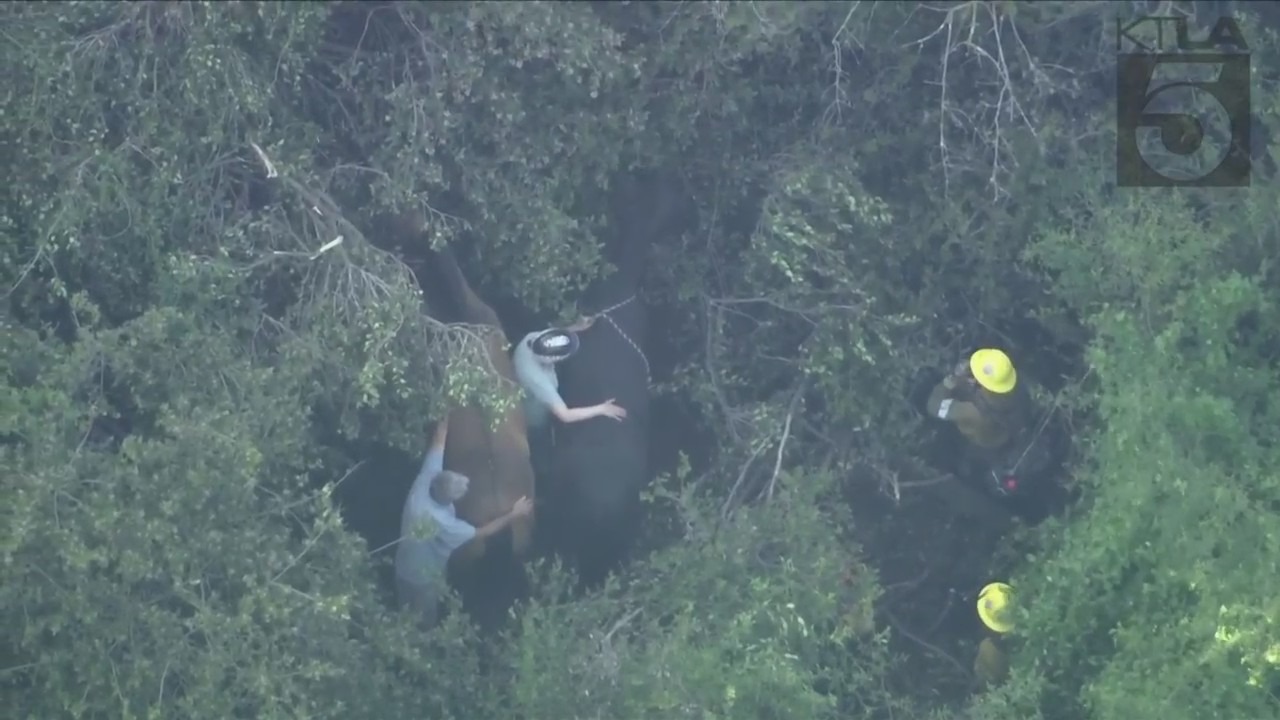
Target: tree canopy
[{"x": 212, "y": 316}]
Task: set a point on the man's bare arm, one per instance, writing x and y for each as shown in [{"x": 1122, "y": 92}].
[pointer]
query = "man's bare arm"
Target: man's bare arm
[
  {"x": 522, "y": 507},
  {"x": 441, "y": 435},
  {"x": 493, "y": 527},
  {"x": 567, "y": 414}
]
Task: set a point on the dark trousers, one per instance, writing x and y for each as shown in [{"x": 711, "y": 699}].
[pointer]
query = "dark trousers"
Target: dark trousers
[{"x": 422, "y": 600}]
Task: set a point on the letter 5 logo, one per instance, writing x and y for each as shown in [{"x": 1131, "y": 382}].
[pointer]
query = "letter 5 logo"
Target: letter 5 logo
[{"x": 1182, "y": 120}]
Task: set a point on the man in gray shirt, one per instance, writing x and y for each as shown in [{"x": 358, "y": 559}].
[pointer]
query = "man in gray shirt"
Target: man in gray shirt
[{"x": 430, "y": 529}]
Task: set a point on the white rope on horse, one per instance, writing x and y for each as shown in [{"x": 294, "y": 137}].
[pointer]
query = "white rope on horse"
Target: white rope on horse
[{"x": 605, "y": 314}]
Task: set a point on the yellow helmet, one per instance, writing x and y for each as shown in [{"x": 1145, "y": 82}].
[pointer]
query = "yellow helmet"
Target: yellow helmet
[
  {"x": 993, "y": 606},
  {"x": 993, "y": 370}
]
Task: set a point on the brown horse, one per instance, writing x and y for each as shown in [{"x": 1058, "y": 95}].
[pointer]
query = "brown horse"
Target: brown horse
[{"x": 496, "y": 460}]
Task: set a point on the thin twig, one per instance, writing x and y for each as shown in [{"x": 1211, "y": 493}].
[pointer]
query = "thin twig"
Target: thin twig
[
  {"x": 728, "y": 505},
  {"x": 393, "y": 543},
  {"x": 622, "y": 622},
  {"x": 926, "y": 645},
  {"x": 782, "y": 443}
]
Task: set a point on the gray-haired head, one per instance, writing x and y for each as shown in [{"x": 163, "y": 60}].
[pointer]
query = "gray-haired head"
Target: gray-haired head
[{"x": 449, "y": 486}]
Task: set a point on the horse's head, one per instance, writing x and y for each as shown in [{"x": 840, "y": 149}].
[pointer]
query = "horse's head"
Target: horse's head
[{"x": 643, "y": 206}]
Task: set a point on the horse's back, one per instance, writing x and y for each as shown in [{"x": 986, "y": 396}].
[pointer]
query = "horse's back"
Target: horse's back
[
  {"x": 601, "y": 465},
  {"x": 597, "y": 487},
  {"x": 617, "y": 453},
  {"x": 498, "y": 466}
]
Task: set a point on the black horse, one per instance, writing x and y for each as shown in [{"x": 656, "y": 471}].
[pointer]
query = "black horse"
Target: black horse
[{"x": 599, "y": 466}]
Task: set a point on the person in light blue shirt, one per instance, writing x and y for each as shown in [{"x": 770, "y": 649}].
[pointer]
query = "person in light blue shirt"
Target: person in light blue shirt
[
  {"x": 430, "y": 529},
  {"x": 535, "y": 359}
]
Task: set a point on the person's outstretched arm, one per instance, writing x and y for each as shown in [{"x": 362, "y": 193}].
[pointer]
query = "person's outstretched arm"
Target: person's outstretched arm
[
  {"x": 608, "y": 408},
  {"x": 433, "y": 463},
  {"x": 523, "y": 507},
  {"x": 440, "y": 436},
  {"x": 535, "y": 381}
]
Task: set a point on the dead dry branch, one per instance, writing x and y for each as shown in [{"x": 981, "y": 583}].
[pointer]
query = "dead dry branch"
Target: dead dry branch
[
  {"x": 750, "y": 483},
  {"x": 980, "y": 46},
  {"x": 839, "y": 97},
  {"x": 348, "y": 281},
  {"x": 740, "y": 423}
]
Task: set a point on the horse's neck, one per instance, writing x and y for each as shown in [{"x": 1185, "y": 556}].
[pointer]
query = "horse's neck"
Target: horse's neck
[
  {"x": 473, "y": 440},
  {"x": 496, "y": 349}
]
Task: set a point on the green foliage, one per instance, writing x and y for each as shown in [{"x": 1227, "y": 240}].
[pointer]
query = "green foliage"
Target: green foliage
[
  {"x": 1137, "y": 604},
  {"x": 176, "y": 572},
  {"x": 208, "y": 279},
  {"x": 763, "y": 614}
]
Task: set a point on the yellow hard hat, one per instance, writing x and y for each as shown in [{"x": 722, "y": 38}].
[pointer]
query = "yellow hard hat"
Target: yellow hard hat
[
  {"x": 993, "y": 370},
  {"x": 993, "y": 606}
]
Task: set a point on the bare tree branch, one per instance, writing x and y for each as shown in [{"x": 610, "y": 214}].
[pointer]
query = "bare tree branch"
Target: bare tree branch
[
  {"x": 782, "y": 442},
  {"x": 727, "y": 508},
  {"x": 347, "y": 279},
  {"x": 983, "y": 37}
]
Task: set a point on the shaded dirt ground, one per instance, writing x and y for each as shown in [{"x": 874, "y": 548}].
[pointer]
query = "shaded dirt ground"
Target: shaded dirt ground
[
  {"x": 932, "y": 550},
  {"x": 935, "y": 548}
]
